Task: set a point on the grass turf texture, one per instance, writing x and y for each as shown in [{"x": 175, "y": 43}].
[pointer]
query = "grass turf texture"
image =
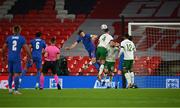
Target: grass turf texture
[{"x": 92, "y": 98}]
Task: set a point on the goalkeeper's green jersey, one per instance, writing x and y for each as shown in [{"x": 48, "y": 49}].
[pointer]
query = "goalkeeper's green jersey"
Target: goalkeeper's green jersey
[{"x": 112, "y": 52}]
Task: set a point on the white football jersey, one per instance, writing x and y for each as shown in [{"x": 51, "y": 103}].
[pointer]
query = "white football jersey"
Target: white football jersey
[
  {"x": 128, "y": 48},
  {"x": 104, "y": 40},
  {"x": 112, "y": 52}
]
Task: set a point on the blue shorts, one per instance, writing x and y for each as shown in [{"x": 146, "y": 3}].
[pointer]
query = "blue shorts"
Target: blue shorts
[
  {"x": 92, "y": 54},
  {"x": 37, "y": 62},
  {"x": 14, "y": 66}
]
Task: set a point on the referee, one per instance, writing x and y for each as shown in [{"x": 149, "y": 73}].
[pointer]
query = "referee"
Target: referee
[{"x": 52, "y": 54}]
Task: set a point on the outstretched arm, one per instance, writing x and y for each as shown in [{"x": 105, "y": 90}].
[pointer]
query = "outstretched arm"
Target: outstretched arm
[
  {"x": 93, "y": 37},
  {"x": 72, "y": 46}
]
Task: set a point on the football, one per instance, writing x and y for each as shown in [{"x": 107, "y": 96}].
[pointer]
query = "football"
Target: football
[{"x": 104, "y": 26}]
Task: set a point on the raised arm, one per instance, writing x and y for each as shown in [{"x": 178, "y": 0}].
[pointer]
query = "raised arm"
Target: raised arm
[
  {"x": 72, "y": 46},
  {"x": 93, "y": 37}
]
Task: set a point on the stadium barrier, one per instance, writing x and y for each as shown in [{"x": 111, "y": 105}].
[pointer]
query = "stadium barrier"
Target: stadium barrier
[{"x": 91, "y": 82}]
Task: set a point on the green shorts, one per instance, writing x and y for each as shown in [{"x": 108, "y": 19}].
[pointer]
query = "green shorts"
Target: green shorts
[
  {"x": 128, "y": 64},
  {"x": 110, "y": 66},
  {"x": 101, "y": 53}
]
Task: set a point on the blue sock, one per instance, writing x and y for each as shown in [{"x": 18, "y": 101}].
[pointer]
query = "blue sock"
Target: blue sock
[
  {"x": 22, "y": 76},
  {"x": 38, "y": 76},
  {"x": 96, "y": 65},
  {"x": 10, "y": 80},
  {"x": 16, "y": 82},
  {"x": 116, "y": 79}
]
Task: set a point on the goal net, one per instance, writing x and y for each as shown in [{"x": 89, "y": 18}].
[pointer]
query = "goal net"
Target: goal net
[{"x": 157, "y": 60}]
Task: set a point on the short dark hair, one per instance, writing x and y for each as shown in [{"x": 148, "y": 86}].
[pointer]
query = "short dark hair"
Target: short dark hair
[
  {"x": 17, "y": 29},
  {"x": 126, "y": 35},
  {"x": 80, "y": 31},
  {"x": 53, "y": 40},
  {"x": 106, "y": 30},
  {"x": 38, "y": 34},
  {"x": 130, "y": 38}
]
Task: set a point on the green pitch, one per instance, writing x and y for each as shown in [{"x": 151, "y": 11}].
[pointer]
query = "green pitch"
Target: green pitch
[{"x": 92, "y": 98}]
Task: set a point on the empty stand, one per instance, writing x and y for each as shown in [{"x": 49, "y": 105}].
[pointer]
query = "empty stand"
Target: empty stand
[
  {"x": 79, "y": 6},
  {"x": 5, "y": 6},
  {"x": 107, "y": 9},
  {"x": 23, "y": 7},
  {"x": 39, "y": 17},
  {"x": 146, "y": 65}
]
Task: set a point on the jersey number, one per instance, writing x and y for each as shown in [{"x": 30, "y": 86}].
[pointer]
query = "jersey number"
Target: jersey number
[
  {"x": 37, "y": 45},
  {"x": 14, "y": 45},
  {"x": 104, "y": 38},
  {"x": 129, "y": 47}
]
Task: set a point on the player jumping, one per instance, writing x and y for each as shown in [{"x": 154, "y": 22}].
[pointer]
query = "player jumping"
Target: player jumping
[
  {"x": 14, "y": 44},
  {"x": 112, "y": 52},
  {"x": 87, "y": 40},
  {"x": 101, "y": 51},
  {"x": 37, "y": 44}
]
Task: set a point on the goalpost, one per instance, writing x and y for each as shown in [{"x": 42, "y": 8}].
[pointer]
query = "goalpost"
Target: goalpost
[{"x": 157, "y": 60}]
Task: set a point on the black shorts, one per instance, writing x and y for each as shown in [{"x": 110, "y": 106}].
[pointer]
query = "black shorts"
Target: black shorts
[{"x": 50, "y": 65}]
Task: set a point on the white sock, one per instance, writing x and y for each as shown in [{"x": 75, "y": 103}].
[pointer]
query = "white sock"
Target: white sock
[
  {"x": 105, "y": 76},
  {"x": 132, "y": 77},
  {"x": 37, "y": 84},
  {"x": 20, "y": 80},
  {"x": 110, "y": 83},
  {"x": 101, "y": 69},
  {"x": 128, "y": 78}
]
